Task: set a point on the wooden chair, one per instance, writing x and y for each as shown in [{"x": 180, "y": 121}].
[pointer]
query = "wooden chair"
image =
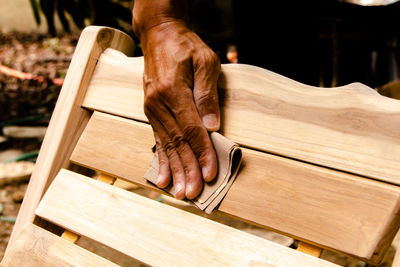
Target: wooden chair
[{"x": 319, "y": 165}]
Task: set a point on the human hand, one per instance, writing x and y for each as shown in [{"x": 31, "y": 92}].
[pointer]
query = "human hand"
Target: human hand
[{"x": 181, "y": 103}]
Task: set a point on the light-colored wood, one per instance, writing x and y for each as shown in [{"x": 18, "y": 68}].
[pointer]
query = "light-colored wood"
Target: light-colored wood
[
  {"x": 106, "y": 178},
  {"x": 396, "y": 260},
  {"x": 335, "y": 210},
  {"x": 127, "y": 185},
  {"x": 350, "y": 128},
  {"x": 332, "y": 209},
  {"x": 36, "y": 247},
  {"x": 309, "y": 249},
  {"x": 68, "y": 119},
  {"x": 71, "y": 237},
  {"x": 155, "y": 233},
  {"x": 124, "y": 152}
]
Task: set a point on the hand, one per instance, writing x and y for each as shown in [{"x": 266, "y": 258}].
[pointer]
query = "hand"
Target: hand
[{"x": 181, "y": 103}]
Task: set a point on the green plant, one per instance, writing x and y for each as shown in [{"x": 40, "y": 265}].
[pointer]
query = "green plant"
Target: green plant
[{"x": 82, "y": 12}]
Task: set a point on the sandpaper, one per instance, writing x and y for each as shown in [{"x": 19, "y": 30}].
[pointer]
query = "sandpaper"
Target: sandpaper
[{"x": 229, "y": 157}]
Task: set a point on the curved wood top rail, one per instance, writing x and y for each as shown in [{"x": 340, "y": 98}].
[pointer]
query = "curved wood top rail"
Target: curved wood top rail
[{"x": 350, "y": 128}]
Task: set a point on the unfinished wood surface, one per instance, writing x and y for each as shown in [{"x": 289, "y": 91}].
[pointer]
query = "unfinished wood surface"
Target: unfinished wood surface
[
  {"x": 68, "y": 119},
  {"x": 396, "y": 260},
  {"x": 335, "y": 210},
  {"x": 124, "y": 152},
  {"x": 155, "y": 233},
  {"x": 71, "y": 237},
  {"x": 350, "y": 128},
  {"x": 36, "y": 247},
  {"x": 106, "y": 179},
  {"x": 309, "y": 249}
]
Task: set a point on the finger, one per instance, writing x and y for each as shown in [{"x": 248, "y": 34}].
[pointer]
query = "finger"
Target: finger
[
  {"x": 179, "y": 152},
  {"x": 178, "y": 173},
  {"x": 193, "y": 131},
  {"x": 205, "y": 92},
  {"x": 164, "y": 172}
]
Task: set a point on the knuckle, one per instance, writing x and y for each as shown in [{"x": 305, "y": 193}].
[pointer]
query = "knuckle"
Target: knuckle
[
  {"x": 156, "y": 94},
  {"x": 214, "y": 60},
  {"x": 164, "y": 89},
  {"x": 150, "y": 103},
  {"x": 159, "y": 147},
  {"x": 151, "y": 98},
  {"x": 210, "y": 59},
  {"x": 177, "y": 142},
  {"x": 206, "y": 97},
  {"x": 169, "y": 148},
  {"x": 192, "y": 132}
]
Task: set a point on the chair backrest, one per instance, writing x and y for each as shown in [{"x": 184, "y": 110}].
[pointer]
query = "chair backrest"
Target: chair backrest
[{"x": 319, "y": 165}]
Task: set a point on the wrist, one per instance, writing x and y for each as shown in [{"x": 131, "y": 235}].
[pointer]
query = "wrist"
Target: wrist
[
  {"x": 142, "y": 29},
  {"x": 147, "y": 15}
]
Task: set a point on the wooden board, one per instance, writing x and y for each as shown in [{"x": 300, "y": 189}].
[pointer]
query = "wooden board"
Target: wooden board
[
  {"x": 36, "y": 247},
  {"x": 396, "y": 260},
  {"x": 333, "y": 209},
  {"x": 350, "y": 128},
  {"x": 68, "y": 119},
  {"x": 125, "y": 151},
  {"x": 155, "y": 233}
]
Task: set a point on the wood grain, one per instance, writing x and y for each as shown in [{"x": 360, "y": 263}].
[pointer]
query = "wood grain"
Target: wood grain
[
  {"x": 36, "y": 247},
  {"x": 155, "y": 233},
  {"x": 332, "y": 209},
  {"x": 68, "y": 119},
  {"x": 350, "y": 128},
  {"x": 124, "y": 152}
]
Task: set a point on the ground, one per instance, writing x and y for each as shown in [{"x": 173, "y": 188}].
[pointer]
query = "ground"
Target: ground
[
  {"x": 31, "y": 101},
  {"x": 27, "y": 102}
]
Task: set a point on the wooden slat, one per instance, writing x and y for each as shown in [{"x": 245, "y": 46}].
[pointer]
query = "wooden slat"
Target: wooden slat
[
  {"x": 36, "y": 247},
  {"x": 350, "y": 128},
  {"x": 155, "y": 233},
  {"x": 335, "y": 210},
  {"x": 396, "y": 260},
  {"x": 68, "y": 119},
  {"x": 123, "y": 152}
]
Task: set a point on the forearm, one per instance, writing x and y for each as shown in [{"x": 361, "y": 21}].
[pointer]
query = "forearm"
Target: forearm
[{"x": 148, "y": 14}]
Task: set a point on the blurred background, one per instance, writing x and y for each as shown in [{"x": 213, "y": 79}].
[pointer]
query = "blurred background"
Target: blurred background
[{"x": 322, "y": 43}]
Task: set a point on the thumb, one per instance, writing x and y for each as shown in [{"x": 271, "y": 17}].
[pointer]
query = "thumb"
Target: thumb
[{"x": 205, "y": 95}]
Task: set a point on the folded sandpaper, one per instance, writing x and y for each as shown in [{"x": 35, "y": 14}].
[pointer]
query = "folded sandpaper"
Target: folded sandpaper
[{"x": 229, "y": 157}]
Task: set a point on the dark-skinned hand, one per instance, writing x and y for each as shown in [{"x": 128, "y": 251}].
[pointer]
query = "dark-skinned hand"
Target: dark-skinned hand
[{"x": 181, "y": 101}]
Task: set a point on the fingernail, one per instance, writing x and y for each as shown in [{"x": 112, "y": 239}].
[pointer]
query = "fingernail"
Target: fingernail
[
  {"x": 207, "y": 176},
  {"x": 205, "y": 172},
  {"x": 160, "y": 179},
  {"x": 189, "y": 189},
  {"x": 178, "y": 189},
  {"x": 211, "y": 122}
]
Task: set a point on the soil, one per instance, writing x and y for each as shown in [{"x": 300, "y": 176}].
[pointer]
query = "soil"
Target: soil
[
  {"x": 37, "y": 55},
  {"x": 31, "y": 102}
]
